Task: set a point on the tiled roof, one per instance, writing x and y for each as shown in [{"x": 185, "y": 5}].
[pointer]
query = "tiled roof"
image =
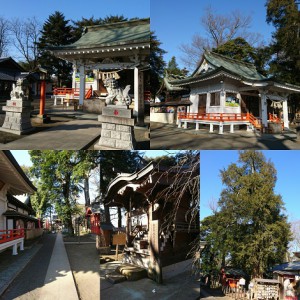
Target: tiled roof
[
  {"x": 7, "y": 77},
  {"x": 289, "y": 266},
  {"x": 245, "y": 70},
  {"x": 114, "y": 34}
]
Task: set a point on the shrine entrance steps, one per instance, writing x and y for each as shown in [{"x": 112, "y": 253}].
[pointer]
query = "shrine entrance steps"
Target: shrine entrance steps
[{"x": 126, "y": 272}]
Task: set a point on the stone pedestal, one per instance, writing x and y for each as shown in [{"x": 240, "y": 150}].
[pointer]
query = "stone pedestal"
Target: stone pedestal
[
  {"x": 117, "y": 129},
  {"x": 17, "y": 117}
]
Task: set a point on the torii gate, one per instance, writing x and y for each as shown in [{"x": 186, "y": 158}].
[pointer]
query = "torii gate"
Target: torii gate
[{"x": 116, "y": 46}]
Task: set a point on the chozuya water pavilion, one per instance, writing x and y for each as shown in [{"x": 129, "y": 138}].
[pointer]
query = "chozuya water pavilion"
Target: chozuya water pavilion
[
  {"x": 225, "y": 91},
  {"x": 103, "y": 51}
]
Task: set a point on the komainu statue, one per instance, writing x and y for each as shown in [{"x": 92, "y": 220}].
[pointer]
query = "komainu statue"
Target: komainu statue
[
  {"x": 19, "y": 90},
  {"x": 116, "y": 95}
]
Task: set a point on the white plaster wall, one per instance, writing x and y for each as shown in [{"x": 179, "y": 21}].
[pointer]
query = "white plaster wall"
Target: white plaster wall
[
  {"x": 167, "y": 118},
  {"x": 194, "y": 98},
  {"x": 212, "y": 88}
]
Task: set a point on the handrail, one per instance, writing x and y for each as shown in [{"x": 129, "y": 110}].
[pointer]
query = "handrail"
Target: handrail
[
  {"x": 64, "y": 91},
  {"x": 221, "y": 117},
  {"x": 11, "y": 234}
]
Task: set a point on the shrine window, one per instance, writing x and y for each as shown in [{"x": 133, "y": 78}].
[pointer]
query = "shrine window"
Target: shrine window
[{"x": 215, "y": 99}]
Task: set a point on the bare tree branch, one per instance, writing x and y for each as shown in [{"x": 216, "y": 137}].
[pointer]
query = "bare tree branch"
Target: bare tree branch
[{"x": 26, "y": 34}]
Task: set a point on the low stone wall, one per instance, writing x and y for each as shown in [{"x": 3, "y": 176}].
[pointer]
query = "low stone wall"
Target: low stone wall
[
  {"x": 93, "y": 105},
  {"x": 33, "y": 233},
  {"x": 167, "y": 118}
]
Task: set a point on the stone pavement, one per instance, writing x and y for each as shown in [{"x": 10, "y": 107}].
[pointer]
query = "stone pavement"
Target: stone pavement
[
  {"x": 43, "y": 270},
  {"x": 59, "y": 282},
  {"x": 180, "y": 287},
  {"x": 165, "y": 136},
  {"x": 78, "y": 131},
  {"x": 72, "y": 135}
]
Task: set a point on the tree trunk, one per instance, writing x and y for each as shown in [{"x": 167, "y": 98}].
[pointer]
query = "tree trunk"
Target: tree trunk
[
  {"x": 119, "y": 217},
  {"x": 87, "y": 191}
]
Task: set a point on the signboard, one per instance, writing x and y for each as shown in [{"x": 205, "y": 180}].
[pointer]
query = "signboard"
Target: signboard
[
  {"x": 232, "y": 100},
  {"x": 154, "y": 236},
  {"x": 119, "y": 239}
]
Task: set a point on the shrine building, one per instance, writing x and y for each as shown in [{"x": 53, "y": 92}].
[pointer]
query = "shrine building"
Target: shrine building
[
  {"x": 117, "y": 50},
  {"x": 226, "y": 91},
  {"x": 160, "y": 228}
]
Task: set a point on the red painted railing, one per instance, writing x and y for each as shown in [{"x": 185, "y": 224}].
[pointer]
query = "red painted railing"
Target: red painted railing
[
  {"x": 72, "y": 91},
  {"x": 220, "y": 117},
  {"x": 11, "y": 234}
]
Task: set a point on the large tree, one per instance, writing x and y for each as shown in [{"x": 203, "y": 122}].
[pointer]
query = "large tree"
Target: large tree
[
  {"x": 157, "y": 64},
  {"x": 58, "y": 181},
  {"x": 285, "y": 17},
  {"x": 249, "y": 230},
  {"x": 56, "y": 32},
  {"x": 219, "y": 29},
  {"x": 4, "y": 36}
]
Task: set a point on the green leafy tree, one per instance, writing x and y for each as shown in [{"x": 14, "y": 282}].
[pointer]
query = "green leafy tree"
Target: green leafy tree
[
  {"x": 57, "y": 181},
  {"x": 56, "y": 31},
  {"x": 249, "y": 229},
  {"x": 173, "y": 68},
  {"x": 237, "y": 48},
  {"x": 285, "y": 17},
  {"x": 157, "y": 64}
]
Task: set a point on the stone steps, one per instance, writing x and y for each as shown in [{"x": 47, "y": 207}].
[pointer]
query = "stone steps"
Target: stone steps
[
  {"x": 115, "y": 277},
  {"x": 132, "y": 272}
]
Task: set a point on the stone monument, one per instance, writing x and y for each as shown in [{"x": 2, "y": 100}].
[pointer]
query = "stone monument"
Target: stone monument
[
  {"x": 18, "y": 109},
  {"x": 117, "y": 120}
]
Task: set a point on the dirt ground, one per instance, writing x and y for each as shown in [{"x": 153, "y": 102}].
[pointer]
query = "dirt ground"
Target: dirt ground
[{"x": 84, "y": 261}]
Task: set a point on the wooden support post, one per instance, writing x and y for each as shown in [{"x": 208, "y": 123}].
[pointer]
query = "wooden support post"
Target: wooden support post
[{"x": 117, "y": 252}]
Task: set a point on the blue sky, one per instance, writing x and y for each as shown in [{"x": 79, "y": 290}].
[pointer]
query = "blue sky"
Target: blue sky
[
  {"x": 175, "y": 22},
  {"x": 73, "y": 9},
  {"x": 287, "y": 164}
]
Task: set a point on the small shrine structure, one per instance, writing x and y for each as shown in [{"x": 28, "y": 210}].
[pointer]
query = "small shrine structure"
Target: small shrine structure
[
  {"x": 159, "y": 230},
  {"x": 226, "y": 91},
  {"x": 117, "y": 51}
]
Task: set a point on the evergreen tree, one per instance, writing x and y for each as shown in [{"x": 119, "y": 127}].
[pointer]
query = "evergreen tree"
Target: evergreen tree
[
  {"x": 249, "y": 229},
  {"x": 173, "y": 68},
  {"x": 56, "y": 32},
  {"x": 157, "y": 64},
  {"x": 285, "y": 17},
  {"x": 237, "y": 48}
]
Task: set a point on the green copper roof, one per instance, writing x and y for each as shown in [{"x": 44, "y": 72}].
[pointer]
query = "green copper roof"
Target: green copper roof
[
  {"x": 245, "y": 70},
  {"x": 121, "y": 33}
]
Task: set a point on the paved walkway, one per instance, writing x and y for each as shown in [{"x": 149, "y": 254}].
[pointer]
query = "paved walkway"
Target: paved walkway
[
  {"x": 59, "y": 283},
  {"x": 47, "y": 268},
  {"x": 165, "y": 136},
  {"x": 72, "y": 135}
]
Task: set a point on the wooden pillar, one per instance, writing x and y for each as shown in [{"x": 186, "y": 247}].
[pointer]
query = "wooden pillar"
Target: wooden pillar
[
  {"x": 263, "y": 109},
  {"x": 82, "y": 84},
  {"x": 139, "y": 105},
  {"x": 74, "y": 75},
  {"x": 43, "y": 97},
  {"x": 285, "y": 114}
]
